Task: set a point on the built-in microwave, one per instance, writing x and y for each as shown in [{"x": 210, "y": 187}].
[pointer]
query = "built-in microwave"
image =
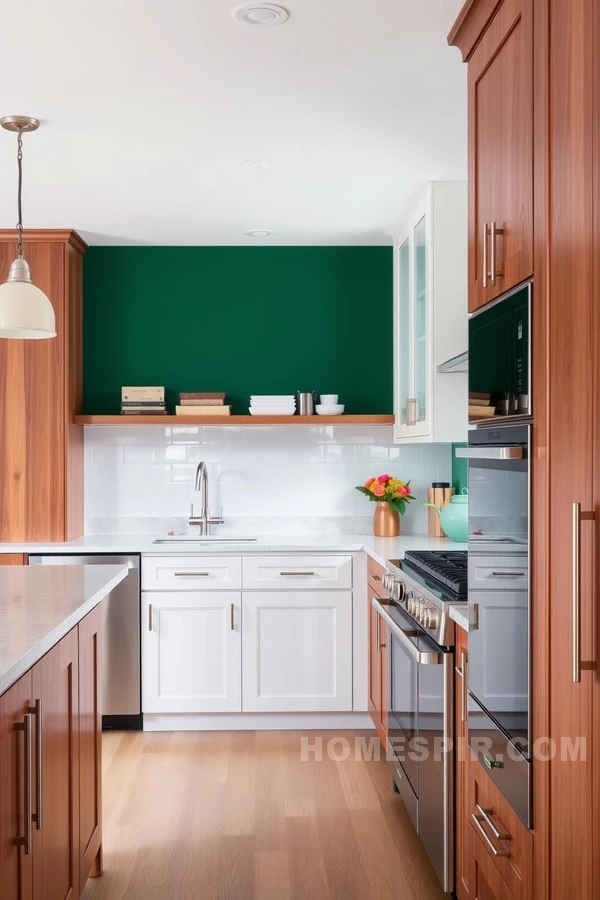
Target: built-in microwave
[{"x": 500, "y": 358}]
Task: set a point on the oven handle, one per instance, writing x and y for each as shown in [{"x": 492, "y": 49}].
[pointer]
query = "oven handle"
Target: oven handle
[
  {"x": 423, "y": 657},
  {"x": 490, "y": 452}
]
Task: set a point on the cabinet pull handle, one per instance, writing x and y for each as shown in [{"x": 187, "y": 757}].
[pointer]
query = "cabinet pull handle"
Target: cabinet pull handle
[
  {"x": 485, "y": 262},
  {"x": 477, "y": 820},
  {"x": 486, "y": 813},
  {"x": 578, "y": 518},
  {"x": 508, "y": 574},
  {"x": 494, "y": 232},
  {"x": 26, "y": 839},
  {"x": 297, "y": 574},
  {"x": 37, "y": 711},
  {"x": 150, "y": 618},
  {"x": 232, "y": 615},
  {"x": 191, "y": 574},
  {"x": 411, "y": 417},
  {"x": 462, "y": 673},
  {"x": 377, "y": 631}
]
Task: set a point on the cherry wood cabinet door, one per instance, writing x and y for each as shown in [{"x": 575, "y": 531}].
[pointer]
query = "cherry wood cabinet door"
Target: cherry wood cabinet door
[
  {"x": 15, "y": 862},
  {"x": 13, "y": 559},
  {"x": 56, "y": 842},
  {"x": 375, "y": 698},
  {"x": 463, "y": 830},
  {"x": 500, "y": 86},
  {"x": 90, "y": 747}
]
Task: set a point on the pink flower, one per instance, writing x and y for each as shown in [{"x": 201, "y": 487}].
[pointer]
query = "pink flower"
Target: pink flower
[
  {"x": 404, "y": 489},
  {"x": 378, "y": 490},
  {"x": 383, "y": 479}
]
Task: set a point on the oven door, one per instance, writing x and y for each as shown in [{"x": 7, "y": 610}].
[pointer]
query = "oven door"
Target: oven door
[{"x": 420, "y": 732}]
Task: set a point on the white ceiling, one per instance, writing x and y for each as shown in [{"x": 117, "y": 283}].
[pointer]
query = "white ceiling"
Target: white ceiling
[{"x": 148, "y": 107}]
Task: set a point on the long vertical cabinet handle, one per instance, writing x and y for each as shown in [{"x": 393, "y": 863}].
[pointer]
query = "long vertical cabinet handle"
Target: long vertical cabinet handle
[
  {"x": 485, "y": 261},
  {"x": 578, "y": 518},
  {"x": 576, "y": 593},
  {"x": 377, "y": 632},
  {"x": 37, "y": 709},
  {"x": 150, "y": 618},
  {"x": 232, "y": 615},
  {"x": 26, "y": 839}
]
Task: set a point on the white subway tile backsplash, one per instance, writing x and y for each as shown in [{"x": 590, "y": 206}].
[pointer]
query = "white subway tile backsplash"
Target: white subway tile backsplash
[{"x": 143, "y": 473}]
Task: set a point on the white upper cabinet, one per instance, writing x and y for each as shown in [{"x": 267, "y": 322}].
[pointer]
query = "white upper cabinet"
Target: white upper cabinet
[{"x": 430, "y": 317}]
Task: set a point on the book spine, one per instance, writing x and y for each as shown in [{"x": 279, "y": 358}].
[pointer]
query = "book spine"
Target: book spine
[
  {"x": 155, "y": 404},
  {"x": 221, "y": 411},
  {"x": 202, "y": 396},
  {"x": 143, "y": 412},
  {"x": 207, "y": 402}
]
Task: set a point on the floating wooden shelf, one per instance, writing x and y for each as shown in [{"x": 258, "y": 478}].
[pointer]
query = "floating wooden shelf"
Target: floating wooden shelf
[{"x": 233, "y": 420}]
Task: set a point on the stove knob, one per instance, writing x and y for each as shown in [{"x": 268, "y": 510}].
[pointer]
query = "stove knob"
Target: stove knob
[
  {"x": 401, "y": 591},
  {"x": 410, "y": 604},
  {"x": 434, "y": 619},
  {"x": 387, "y": 582}
]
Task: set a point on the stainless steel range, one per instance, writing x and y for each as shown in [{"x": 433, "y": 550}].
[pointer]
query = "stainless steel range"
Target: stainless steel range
[{"x": 420, "y": 638}]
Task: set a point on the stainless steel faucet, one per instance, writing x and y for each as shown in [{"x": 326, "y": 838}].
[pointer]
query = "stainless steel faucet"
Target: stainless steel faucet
[{"x": 204, "y": 520}]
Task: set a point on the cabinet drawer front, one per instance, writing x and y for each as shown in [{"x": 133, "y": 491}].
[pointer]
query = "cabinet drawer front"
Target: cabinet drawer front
[
  {"x": 191, "y": 573},
  {"x": 501, "y": 573},
  {"x": 297, "y": 572},
  {"x": 512, "y": 852}
]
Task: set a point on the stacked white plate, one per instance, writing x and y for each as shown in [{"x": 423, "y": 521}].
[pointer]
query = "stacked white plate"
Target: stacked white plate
[{"x": 272, "y": 405}]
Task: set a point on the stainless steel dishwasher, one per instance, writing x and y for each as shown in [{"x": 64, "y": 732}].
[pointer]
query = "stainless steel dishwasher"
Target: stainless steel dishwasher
[{"x": 121, "y": 657}]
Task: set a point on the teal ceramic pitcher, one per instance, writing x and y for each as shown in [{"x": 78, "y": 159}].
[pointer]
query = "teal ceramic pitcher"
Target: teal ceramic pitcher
[{"x": 454, "y": 517}]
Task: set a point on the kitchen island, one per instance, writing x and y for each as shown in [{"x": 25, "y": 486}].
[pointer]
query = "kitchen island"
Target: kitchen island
[{"x": 50, "y": 728}]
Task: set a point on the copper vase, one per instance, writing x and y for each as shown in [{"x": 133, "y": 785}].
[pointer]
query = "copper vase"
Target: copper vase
[{"x": 386, "y": 521}]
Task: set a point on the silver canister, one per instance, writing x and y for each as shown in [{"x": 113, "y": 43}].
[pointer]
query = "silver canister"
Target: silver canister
[{"x": 305, "y": 403}]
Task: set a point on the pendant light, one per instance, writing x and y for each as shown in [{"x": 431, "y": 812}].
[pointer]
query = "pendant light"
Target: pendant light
[{"x": 25, "y": 311}]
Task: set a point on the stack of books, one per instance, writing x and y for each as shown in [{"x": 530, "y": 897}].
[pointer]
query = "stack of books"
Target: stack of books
[
  {"x": 143, "y": 401},
  {"x": 480, "y": 406},
  {"x": 199, "y": 403}
]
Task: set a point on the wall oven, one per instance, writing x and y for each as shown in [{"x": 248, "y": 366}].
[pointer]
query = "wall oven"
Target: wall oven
[{"x": 499, "y": 608}]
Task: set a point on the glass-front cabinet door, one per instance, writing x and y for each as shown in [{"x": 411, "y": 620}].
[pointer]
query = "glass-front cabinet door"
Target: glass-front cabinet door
[{"x": 413, "y": 311}]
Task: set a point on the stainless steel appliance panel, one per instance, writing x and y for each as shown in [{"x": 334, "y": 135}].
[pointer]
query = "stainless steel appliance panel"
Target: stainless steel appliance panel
[
  {"x": 121, "y": 655},
  {"x": 506, "y": 765}
]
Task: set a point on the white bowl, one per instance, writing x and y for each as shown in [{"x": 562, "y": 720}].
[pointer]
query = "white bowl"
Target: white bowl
[
  {"x": 331, "y": 410},
  {"x": 329, "y": 400}
]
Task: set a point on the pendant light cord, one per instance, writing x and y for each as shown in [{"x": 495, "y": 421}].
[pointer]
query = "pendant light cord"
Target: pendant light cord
[{"x": 19, "y": 195}]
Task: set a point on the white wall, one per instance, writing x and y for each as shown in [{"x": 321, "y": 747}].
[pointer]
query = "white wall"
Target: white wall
[{"x": 142, "y": 477}]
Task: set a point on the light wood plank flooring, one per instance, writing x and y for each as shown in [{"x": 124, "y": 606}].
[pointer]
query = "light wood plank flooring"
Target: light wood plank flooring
[{"x": 239, "y": 816}]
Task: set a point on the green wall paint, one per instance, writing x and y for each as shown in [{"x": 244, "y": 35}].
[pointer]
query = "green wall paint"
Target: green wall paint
[
  {"x": 245, "y": 320},
  {"x": 460, "y": 472}
]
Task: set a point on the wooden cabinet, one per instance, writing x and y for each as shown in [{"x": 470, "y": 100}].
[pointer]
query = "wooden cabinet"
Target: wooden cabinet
[
  {"x": 55, "y": 687},
  {"x": 500, "y": 101},
  {"x": 16, "y": 746},
  {"x": 13, "y": 559},
  {"x": 50, "y": 772},
  {"x": 90, "y": 746},
  {"x": 41, "y": 450},
  {"x": 191, "y": 651},
  {"x": 499, "y": 833},
  {"x": 430, "y": 323},
  {"x": 487, "y": 883},
  {"x": 297, "y": 651},
  {"x": 378, "y": 658},
  {"x": 463, "y": 833}
]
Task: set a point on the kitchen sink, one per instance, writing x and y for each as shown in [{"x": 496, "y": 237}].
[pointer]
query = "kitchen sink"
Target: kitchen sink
[{"x": 203, "y": 539}]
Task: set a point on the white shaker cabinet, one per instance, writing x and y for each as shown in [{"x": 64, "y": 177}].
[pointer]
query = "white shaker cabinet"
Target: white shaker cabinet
[
  {"x": 191, "y": 651},
  {"x": 430, "y": 317},
  {"x": 297, "y": 651}
]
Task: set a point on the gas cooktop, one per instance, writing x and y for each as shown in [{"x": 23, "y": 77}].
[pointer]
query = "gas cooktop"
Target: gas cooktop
[{"x": 448, "y": 569}]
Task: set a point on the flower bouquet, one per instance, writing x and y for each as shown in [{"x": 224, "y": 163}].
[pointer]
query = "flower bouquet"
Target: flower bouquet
[{"x": 392, "y": 497}]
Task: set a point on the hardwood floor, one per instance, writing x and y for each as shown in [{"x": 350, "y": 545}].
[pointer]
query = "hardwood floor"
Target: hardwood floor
[{"x": 240, "y": 816}]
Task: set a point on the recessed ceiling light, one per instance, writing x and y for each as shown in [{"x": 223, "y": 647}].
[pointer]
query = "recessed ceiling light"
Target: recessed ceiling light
[
  {"x": 259, "y": 164},
  {"x": 261, "y": 14},
  {"x": 258, "y": 232}
]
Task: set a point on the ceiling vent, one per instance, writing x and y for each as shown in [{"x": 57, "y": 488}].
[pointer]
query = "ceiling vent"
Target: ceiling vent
[{"x": 268, "y": 14}]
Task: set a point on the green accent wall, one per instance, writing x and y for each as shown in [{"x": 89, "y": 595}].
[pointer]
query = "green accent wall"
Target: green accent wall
[
  {"x": 245, "y": 320},
  {"x": 460, "y": 471}
]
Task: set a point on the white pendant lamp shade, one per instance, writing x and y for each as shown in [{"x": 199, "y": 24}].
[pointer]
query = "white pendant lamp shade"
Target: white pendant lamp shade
[{"x": 25, "y": 311}]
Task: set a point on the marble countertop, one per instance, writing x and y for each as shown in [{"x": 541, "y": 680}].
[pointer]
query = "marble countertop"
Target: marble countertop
[
  {"x": 381, "y": 549},
  {"x": 39, "y": 605},
  {"x": 459, "y": 613}
]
